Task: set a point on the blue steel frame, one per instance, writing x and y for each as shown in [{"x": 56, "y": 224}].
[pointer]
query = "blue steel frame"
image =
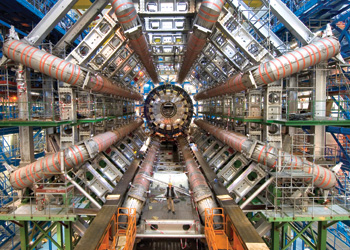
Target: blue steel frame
[
  {"x": 336, "y": 11},
  {"x": 7, "y": 228}
]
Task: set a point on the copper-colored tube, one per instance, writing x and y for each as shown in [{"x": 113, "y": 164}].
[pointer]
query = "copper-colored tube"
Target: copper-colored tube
[
  {"x": 267, "y": 155},
  {"x": 62, "y": 70},
  {"x": 201, "y": 192},
  {"x": 207, "y": 16},
  {"x": 276, "y": 69},
  {"x": 73, "y": 156}
]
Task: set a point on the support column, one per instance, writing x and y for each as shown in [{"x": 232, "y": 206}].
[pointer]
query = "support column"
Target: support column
[
  {"x": 59, "y": 232},
  {"x": 321, "y": 235},
  {"x": 292, "y": 100},
  {"x": 284, "y": 240},
  {"x": 24, "y": 235},
  {"x": 68, "y": 233},
  {"x": 48, "y": 99},
  {"x": 68, "y": 112},
  {"x": 320, "y": 97},
  {"x": 273, "y": 111},
  {"x": 275, "y": 236},
  {"x": 24, "y": 112}
]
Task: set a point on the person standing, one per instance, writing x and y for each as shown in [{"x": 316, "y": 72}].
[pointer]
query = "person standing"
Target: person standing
[{"x": 170, "y": 194}]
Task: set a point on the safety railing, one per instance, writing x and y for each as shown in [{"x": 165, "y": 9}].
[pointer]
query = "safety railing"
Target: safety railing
[
  {"x": 215, "y": 229},
  {"x": 58, "y": 111},
  {"x": 333, "y": 109},
  {"x": 126, "y": 227},
  {"x": 52, "y": 200},
  {"x": 108, "y": 240}
]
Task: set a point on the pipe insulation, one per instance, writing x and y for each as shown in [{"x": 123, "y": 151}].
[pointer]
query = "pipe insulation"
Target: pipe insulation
[
  {"x": 70, "y": 157},
  {"x": 65, "y": 71},
  {"x": 207, "y": 16},
  {"x": 129, "y": 20},
  {"x": 136, "y": 196},
  {"x": 260, "y": 152},
  {"x": 278, "y": 68},
  {"x": 202, "y": 194}
]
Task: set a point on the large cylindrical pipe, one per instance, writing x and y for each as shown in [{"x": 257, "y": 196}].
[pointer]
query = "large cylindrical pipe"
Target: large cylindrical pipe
[
  {"x": 73, "y": 156},
  {"x": 276, "y": 69},
  {"x": 139, "y": 44},
  {"x": 62, "y": 70},
  {"x": 128, "y": 18},
  {"x": 267, "y": 155},
  {"x": 207, "y": 16},
  {"x": 136, "y": 195},
  {"x": 201, "y": 192}
]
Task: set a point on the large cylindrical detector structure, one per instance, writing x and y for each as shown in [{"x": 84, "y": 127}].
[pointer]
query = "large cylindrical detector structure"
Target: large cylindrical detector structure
[
  {"x": 168, "y": 110},
  {"x": 322, "y": 177},
  {"x": 278, "y": 68},
  {"x": 73, "y": 156},
  {"x": 62, "y": 70}
]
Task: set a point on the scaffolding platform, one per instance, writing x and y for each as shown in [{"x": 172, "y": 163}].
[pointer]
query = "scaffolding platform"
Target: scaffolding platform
[{"x": 313, "y": 213}]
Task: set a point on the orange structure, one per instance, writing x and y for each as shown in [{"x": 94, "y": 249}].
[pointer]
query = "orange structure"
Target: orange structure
[
  {"x": 215, "y": 229},
  {"x": 126, "y": 227}
]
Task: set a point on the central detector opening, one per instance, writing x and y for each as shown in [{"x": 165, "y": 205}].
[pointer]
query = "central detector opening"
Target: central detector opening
[{"x": 168, "y": 109}]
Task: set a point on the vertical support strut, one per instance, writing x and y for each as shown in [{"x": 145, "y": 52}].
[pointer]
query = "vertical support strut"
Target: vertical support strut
[
  {"x": 24, "y": 235},
  {"x": 321, "y": 235},
  {"x": 275, "y": 236},
  {"x": 59, "y": 232},
  {"x": 68, "y": 234},
  {"x": 24, "y": 113}
]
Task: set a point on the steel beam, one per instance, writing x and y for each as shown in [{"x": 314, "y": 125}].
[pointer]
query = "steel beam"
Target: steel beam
[
  {"x": 275, "y": 236},
  {"x": 49, "y": 21},
  {"x": 24, "y": 235},
  {"x": 321, "y": 235},
  {"x": 68, "y": 235},
  {"x": 24, "y": 113},
  {"x": 338, "y": 130},
  {"x": 80, "y": 25},
  {"x": 292, "y": 104},
  {"x": 290, "y": 20},
  {"x": 320, "y": 96}
]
